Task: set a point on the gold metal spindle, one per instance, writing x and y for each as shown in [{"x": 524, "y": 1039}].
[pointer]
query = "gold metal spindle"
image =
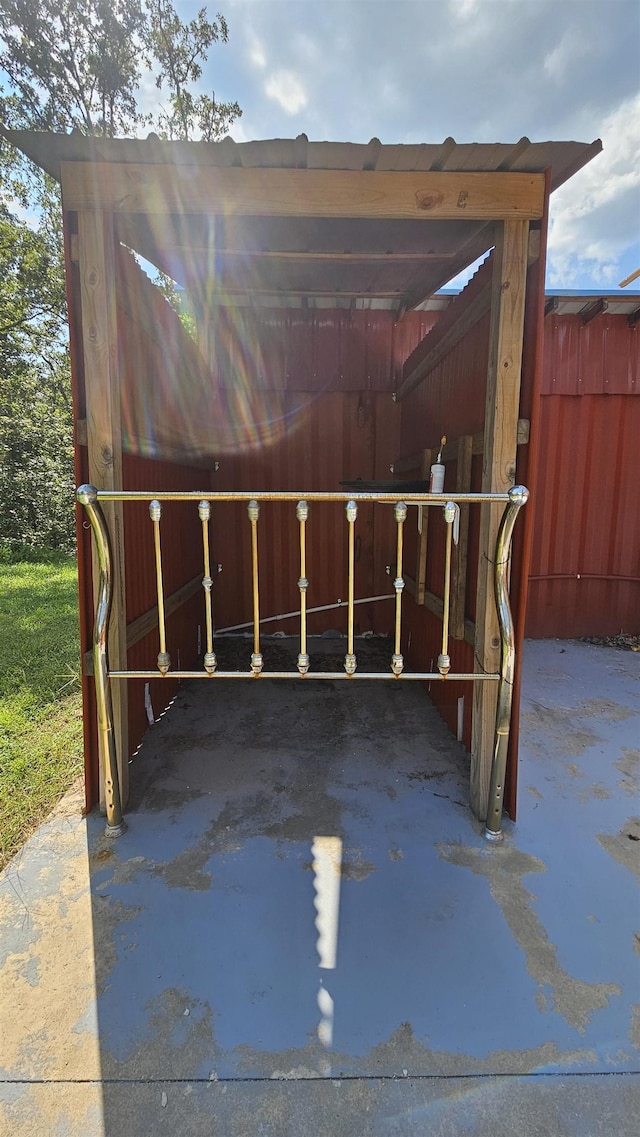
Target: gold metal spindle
[
  {"x": 397, "y": 662},
  {"x": 253, "y": 509},
  {"x": 155, "y": 513},
  {"x": 444, "y": 661},
  {"x": 204, "y": 512},
  {"x": 302, "y": 513},
  {"x": 350, "y": 663}
]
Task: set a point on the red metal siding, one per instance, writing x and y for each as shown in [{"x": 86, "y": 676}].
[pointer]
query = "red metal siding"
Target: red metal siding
[
  {"x": 279, "y": 349},
  {"x": 585, "y": 570},
  {"x": 337, "y": 436},
  {"x": 181, "y": 535}
]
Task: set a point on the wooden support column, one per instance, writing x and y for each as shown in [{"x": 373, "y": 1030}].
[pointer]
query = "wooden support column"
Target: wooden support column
[
  {"x": 102, "y": 386},
  {"x": 459, "y": 578},
  {"x": 498, "y": 475}
]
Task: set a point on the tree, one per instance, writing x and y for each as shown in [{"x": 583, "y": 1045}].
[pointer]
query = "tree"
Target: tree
[
  {"x": 36, "y": 447},
  {"x": 72, "y": 64},
  {"x": 78, "y": 63},
  {"x": 176, "y": 52}
]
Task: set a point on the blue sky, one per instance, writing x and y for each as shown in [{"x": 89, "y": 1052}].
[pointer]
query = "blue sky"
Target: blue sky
[{"x": 480, "y": 70}]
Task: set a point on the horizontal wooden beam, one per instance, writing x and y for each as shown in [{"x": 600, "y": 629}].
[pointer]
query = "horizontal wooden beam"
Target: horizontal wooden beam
[
  {"x": 297, "y": 256},
  {"x": 122, "y": 187},
  {"x": 450, "y": 450}
]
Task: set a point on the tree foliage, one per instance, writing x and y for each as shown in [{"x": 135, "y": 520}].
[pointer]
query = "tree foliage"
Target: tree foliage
[
  {"x": 73, "y": 64},
  {"x": 36, "y": 451},
  {"x": 176, "y": 51},
  {"x": 79, "y": 63}
]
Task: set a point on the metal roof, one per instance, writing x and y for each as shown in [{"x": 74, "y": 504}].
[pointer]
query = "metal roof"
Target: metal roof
[{"x": 307, "y": 260}]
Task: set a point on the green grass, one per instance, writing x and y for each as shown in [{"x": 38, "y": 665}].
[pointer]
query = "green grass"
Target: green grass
[{"x": 40, "y": 707}]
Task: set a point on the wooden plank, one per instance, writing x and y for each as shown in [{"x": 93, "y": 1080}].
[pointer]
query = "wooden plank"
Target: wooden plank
[
  {"x": 410, "y": 584},
  {"x": 435, "y": 604},
  {"x": 104, "y": 436},
  {"x": 451, "y": 449},
  {"x": 498, "y": 475},
  {"x": 421, "y": 565},
  {"x": 144, "y": 624},
  {"x": 467, "y": 320},
  {"x": 459, "y": 575},
  {"x": 140, "y": 188},
  {"x": 170, "y": 250}
]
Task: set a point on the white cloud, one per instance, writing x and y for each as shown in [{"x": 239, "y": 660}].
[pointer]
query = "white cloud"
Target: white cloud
[
  {"x": 257, "y": 53},
  {"x": 285, "y": 88},
  {"x": 594, "y": 218},
  {"x": 463, "y": 8}
]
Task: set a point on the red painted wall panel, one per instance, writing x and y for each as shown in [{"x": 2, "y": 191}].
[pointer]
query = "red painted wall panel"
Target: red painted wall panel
[{"x": 585, "y": 569}]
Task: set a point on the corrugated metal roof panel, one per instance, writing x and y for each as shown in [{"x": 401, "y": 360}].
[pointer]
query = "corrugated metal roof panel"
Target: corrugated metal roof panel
[{"x": 564, "y": 158}]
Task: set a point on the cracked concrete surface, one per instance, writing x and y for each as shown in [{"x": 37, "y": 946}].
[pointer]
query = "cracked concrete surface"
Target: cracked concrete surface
[{"x": 200, "y": 975}]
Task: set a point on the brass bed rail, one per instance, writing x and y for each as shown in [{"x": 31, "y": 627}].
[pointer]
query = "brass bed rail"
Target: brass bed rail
[{"x": 92, "y": 499}]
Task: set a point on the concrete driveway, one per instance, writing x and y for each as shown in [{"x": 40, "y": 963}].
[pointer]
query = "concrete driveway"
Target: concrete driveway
[{"x": 303, "y": 931}]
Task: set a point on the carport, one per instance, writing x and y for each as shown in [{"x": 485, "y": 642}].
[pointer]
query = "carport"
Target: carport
[{"x": 318, "y": 354}]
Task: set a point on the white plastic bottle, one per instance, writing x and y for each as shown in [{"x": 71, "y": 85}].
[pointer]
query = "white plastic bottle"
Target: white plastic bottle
[{"x": 436, "y": 481}]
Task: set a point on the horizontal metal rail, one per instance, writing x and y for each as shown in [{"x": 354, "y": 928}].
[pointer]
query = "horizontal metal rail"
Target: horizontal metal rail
[
  {"x": 92, "y": 500},
  {"x": 440, "y": 499},
  {"x": 425, "y": 676}
]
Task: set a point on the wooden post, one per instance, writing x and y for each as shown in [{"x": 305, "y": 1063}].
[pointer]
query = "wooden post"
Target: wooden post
[
  {"x": 102, "y": 391},
  {"x": 421, "y": 566},
  {"x": 459, "y": 581},
  {"x": 498, "y": 475}
]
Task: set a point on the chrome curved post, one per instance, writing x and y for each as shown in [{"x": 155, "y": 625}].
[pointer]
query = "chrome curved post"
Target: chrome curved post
[
  {"x": 518, "y": 496},
  {"x": 88, "y": 497}
]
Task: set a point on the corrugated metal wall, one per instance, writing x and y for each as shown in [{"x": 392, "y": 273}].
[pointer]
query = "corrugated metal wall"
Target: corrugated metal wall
[
  {"x": 325, "y": 379},
  {"x": 585, "y": 569},
  {"x": 300, "y": 401}
]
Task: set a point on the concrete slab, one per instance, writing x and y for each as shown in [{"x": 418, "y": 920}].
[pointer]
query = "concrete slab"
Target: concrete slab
[{"x": 304, "y": 929}]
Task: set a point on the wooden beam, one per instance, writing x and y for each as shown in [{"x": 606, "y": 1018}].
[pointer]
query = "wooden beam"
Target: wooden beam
[
  {"x": 140, "y": 188},
  {"x": 96, "y": 253},
  {"x": 459, "y": 576},
  {"x": 630, "y": 278},
  {"x": 450, "y": 451},
  {"x": 475, "y": 247},
  {"x": 423, "y": 535},
  {"x": 469, "y": 317},
  {"x": 296, "y": 257},
  {"x": 435, "y": 605},
  {"x": 498, "y": 475},
  {"x": 595, "y": 308},
  {"x": 551, "y": 304},
  {"x": 633, "y": 317},
  {"x": 144, "y": 624}
]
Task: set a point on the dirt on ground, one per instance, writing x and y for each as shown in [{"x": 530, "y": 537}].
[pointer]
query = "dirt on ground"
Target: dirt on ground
[{"x": 624, "y": 640}]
